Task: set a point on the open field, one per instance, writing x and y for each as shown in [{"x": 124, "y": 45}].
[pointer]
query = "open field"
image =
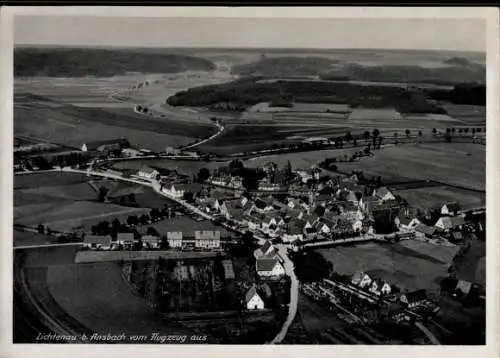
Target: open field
[
  {"x": 408, "y": 265},
  {"x": 107, "y": 256},
  {"x": 75, "y": 215},
  {"x": 27, "y": 238},
  {"x": 57, "y": 256},
  {"x": 443, "y": 162},
  {"x": 37, "y": 180},
  {"x": 82, "y": 191},
  {"x": 434, "y": 196},
  {"x": 98, "y": 297},
  {"x": 72, "y": 126}
]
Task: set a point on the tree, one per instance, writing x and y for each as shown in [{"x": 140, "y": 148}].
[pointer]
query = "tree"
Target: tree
[
  {"x": 116, "y": 225},
  {"x": 188, "y": 196},
  {"x": 453, "y": 130},
  {"x": 235, "y": 166},
  {"x": 131, "y": 197},
  {"x": 448, "y": 130},
  {"x": 473, "y": 130},
  {"x": 203, "y": 175},
  {"x": 152, "y": 231},
  {"x": 460, "y": 130},
  {"x": 447, "y": 137},
  {"x": 164, "y": 245},
  {"x": 288, "y": 170},
  {"x": 419, "y": 133},
  {"x": 375, "y": 133},
  {"x": 311, "y": 266},
  {"x": 249, "y": 241},
  {"x": 144, "y": 219},
  {"x": 40, "y": 229},
  {"x": 395, "y": 134},
  {"x": 132, "y": 220},
  {"x": 348, "y": 137},
  {"x": 407, "y": 132},
  {"x": 466, "y": 130},
  {"x": 366, "y": 135},
  {"x": 434, "y": 130}
]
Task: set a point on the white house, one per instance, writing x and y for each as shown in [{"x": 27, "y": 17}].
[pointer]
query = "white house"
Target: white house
[
  {"x": 174, "y": 239},
  {"x": 97, "y": 242},
  {"x": 175, "y": 190},
  {"x": 406, "y": 222},
  {"x": 383, "y": 194},
  {"x": 450, "y": 222},
  {"x": 125, "y": 239},
  {"x": 269, "y": 267},
  {"x": 266, "y": 250},
  {"x": 380, "y": 287},
  {"x": 361, "y": 279},
  {"x": 148, "y": 173},
  {"x": 207, "y": 239},
  {"x": 253, "y": 300}
]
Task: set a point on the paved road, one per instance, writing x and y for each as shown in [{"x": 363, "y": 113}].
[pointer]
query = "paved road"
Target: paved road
[
  {"x": 294, "y": 294},
  {"x": 220, "y": 129}
]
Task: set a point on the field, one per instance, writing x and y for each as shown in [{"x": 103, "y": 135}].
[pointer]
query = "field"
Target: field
[
  {"x": 79, "y": 215},
  {"x": 186, "y": 167},
  {"x": 444, "y": 162},
  {"x": 110, "y": 256},
  {"x": 28, "y": 181},
  {"x": 26, "y": 238},
  {"x": 408, "y": 265},
  {"x": 434, "y": 196},
  {"x": 98, "y": 297}
]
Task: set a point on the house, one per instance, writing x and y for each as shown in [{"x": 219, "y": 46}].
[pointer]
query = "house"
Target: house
[
  {"x": 361, "y": 279},
  {"x": 423, "y": 230},
  {"x": 353, "y": 196},
  {"x": 174, "y": 190},
  {"x": 463, "y": 287},
  {"x": 380, "y": 287},
  {"x": 131, "y": 152},
  {"x": 253, "y": 221},
  {"x": 447, "y": 223},
  {"x": 266, "y": 250},
  {"x": 450, "y": 209},
  {"x": 149, "y": 241},
  {"x": 174, "y": 239},
  {"x": 383, "y": 194},
  {"x": 262, "y": 206},
  {"x": 304, "y": 175},
  {"x": 105, "y": 145},
  {"x": 97, "y": 242},
  {"x": 406, "y": 222},
  {"x": 310, "y": 233},
  {"x": 252, "y": 299},
  {"x": 228, "y": 269},
  {"x": 207, "y": 239},
  {"x": 126, "y": 239},
  {"x": 294, "y": 231},
  {"x": 324, "y": 226},
  {"x": 456, "y": 236},
  {"x": 148, "y": 173},
  {"x": 344, "y": 227},
  {"x": 413, "y": 299},
  {"x": 367, "y": 203},
  {"x": 269, "y": 267}
]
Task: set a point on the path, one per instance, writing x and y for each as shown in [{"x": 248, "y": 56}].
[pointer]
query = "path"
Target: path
[
  {"x": 47, "y": 245},
  {"x": 428, "y": 333},
  {"x": 294, "y": 294},
  {"x": 220, "y": 129}
]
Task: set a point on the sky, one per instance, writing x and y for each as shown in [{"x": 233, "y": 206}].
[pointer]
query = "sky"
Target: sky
[{"x": 422, "y": 34}]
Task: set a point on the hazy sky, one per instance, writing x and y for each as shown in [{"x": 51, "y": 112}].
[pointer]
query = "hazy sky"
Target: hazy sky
[{"x": 439, "y": 34}]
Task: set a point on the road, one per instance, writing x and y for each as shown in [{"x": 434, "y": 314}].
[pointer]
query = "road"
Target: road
[
  {"x": 427, "y": 333},
  {"x": 220, "y": 129},
  {"x": 294, "y": 294},
  {"x": 47, "y": 245}
]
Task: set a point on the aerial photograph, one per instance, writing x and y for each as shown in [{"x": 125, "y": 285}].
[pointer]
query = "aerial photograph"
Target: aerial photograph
[{"x": 249, "y": 181}]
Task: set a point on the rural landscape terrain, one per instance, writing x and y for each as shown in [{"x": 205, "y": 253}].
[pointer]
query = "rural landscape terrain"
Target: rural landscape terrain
[{"x": 249, "y": 196}]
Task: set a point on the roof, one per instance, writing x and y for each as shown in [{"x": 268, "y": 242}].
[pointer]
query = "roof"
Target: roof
[
  {"x": 416, "y": 296},
  {"x": 191, "y": 187},
  {"x": 250, "y": 293},
  {"x": 425, "y": 229},
  {"x": 260, "y": 204},
  {"x": 451, "y": 221},
  {"x": 382, "y": 191},
  {"x": 150, "y": 238},
  {"x": 296, "y": 226},
  {"x": 457, "y": 235},
  {"x": 404, "y": 220},
  {"x": 266, "y": 264},
  {"x": 319, "y": 210},
  {"x": 97, "y": 239},
  {"x": 125, "y": 236},
  {"x": 148, "y": 170}
]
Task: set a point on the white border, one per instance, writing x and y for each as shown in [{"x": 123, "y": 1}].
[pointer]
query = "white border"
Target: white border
[{"x": 493, "y": 59}]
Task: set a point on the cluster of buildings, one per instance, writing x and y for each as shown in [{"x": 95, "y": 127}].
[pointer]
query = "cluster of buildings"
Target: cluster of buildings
[{"x": 197, "y": 240}]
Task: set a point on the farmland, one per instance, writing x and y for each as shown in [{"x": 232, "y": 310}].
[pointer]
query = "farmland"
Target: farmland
[
  {"x": 47, "y": 179},
  {"x": 186, "y": 167},
  {"x": 408, "y": 265},
  {"x": 450, "y": 164},
  {"x": 79, "y": 215},
  {"x": 116, "y": 256},
  {"x": 186, "y": 225}
]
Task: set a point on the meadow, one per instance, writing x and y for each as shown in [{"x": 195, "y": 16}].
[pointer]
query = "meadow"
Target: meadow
[
  {"x": 448, "y": 163},
  {"x": 429, "y": 197}
]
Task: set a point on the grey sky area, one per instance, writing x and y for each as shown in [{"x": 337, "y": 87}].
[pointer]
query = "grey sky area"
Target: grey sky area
[{"x": 435, "y": 34}]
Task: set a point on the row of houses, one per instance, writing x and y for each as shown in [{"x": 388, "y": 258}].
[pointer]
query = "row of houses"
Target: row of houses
[{"x": 200, "y": 239}]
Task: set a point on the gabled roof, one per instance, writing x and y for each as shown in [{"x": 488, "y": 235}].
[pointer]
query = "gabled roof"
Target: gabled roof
[
  {"x": 382, "y": 191},
  {"x": 296, "y": 227},
  {"x": 250, "y": 293},
  {"x": 404, "y": 220},
  {"x": 148, "y": 170},
  {"x": 191, "y": 187},
  {"x": 266, "y": 264},
  {"x": 260, "y": 204},
  {"x": 125, "y": 236},
  {"x": 425, "y": 229}
]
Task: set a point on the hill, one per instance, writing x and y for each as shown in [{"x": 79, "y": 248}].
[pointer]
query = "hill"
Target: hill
[
  {"x": 285, "y": 66},
  {"x": 30, "y": 62}
]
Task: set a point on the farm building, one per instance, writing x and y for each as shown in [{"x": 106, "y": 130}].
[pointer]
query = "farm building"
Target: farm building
[
  {"x": 294, "y": 231},
  {"x": 269, "y": 267},
  {"x": 380, "y": 287},
  {"x": 450, "y": 222},
  {"x": 383, "y": 194},
  {"x": 149, "y": 241},
  {"x": 125, "y": 238},
  {"x": 174, "y": 239},
  {"x": 266, "y": 250},
  {"x": 207, "y": 239},
  {"x": 97, "y": 242},
  {"x": 131, "y": 152},
  {"x": 148, "y": 173},
  {"x": 406, "y": 222},
  {"x": 361, "y": 279},
  {"x": 425, "y": 230},
  {"x": 253, "y": 300},
  {"x": 106, "y": 145}
]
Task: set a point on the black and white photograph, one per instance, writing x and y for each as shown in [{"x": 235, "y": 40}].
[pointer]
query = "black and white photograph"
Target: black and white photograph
[{"x": 235, "y": 180}]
